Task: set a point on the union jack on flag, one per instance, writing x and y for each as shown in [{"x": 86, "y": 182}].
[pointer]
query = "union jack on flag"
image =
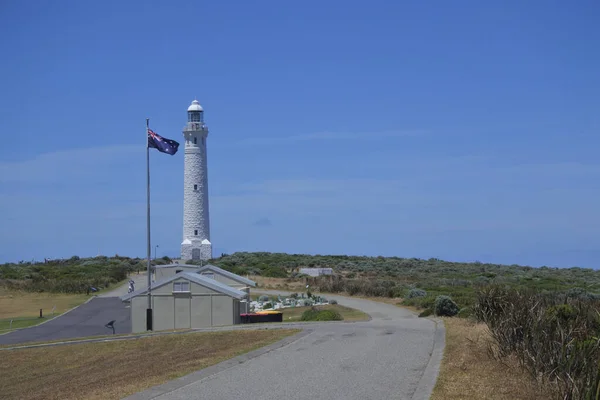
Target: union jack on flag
[{"x": 162, "y": 144}]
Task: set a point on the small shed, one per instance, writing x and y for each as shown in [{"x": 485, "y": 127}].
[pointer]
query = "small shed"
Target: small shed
[
  {"x": 316, "y": 271},
  {"x": 185, "y": 301},
  {"x": 166, "y": 271}
]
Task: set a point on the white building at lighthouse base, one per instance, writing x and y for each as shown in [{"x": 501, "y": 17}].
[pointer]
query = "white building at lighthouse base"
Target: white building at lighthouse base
[{"x": 196, "y": 249}]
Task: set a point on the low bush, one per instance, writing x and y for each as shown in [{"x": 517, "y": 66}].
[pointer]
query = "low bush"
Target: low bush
[
  {"x": 412, "y": 293},
  {"x": 465, "y": 312},
  {"x": 444, "y": 306},
  {"x": 426, "y": 313},
  {"x": 316, "y": 314}
]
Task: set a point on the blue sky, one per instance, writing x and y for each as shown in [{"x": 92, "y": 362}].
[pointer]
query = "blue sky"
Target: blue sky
[{"x": 461, "y": 130}]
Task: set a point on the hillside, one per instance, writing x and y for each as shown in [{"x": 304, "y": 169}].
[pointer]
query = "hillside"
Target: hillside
[{"x": 376, "y": 276}]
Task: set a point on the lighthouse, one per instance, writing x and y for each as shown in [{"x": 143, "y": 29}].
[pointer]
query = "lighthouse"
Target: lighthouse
[{"x": 196, "y": 243}]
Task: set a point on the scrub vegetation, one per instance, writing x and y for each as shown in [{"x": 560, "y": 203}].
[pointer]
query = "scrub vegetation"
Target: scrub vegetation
[
  {"x": 544, "y": 321},
  {"x": 72, "y": 275},
  {"x": 81, "y": 371},
  {"x": 555, "y": 337},
  {"x": 416, "y": 282}
]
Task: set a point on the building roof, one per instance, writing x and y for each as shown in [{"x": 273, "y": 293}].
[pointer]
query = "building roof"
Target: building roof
[
  {"x": 177, "y": 265},
  {"x": 230, "y": 275},
  {"x": 195, "y": 106},
  {"x": 193, "y": 277}
]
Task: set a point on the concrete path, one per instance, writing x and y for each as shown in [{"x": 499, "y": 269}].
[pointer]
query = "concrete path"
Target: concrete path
[{"x": 395, "y": 355}]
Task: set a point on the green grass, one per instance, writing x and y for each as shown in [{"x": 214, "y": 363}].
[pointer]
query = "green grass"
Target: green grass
[
  {"x": 349, "y": 314},
  {"x": 19, "y": 323}
]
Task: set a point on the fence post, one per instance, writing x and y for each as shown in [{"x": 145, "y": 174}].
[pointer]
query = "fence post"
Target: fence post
[
  {"x": 41, "y": 316},
  {"x": 10, "y": 325}
]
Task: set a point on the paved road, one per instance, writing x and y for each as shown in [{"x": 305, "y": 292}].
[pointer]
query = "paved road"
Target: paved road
[
  {"x": 86, "y": 320},
  {"x": 140, "y": 281},
  {"x": 385, "y": 358}
]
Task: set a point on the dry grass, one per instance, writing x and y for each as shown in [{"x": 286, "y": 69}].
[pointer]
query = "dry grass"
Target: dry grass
[
  {"x": 19, "y": 304},
  {"x": 112, "y": 370},
  {"x": 468, "y": 372},
  {"x": 349, "y": 314}
]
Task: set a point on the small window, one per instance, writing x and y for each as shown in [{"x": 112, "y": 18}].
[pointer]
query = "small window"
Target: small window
[
  {"x": 195, "y": 187},
  {"x": 195, "y": 140},
  {"x": 177, "y": 271},
  {"x": 196, "y": 232},
  {"x": 181, "y": 287},
  {"x": 210, "y": 275}
]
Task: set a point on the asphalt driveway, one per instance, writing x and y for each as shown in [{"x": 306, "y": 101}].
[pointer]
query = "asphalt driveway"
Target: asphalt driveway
[{"x": 86, "y": 320}]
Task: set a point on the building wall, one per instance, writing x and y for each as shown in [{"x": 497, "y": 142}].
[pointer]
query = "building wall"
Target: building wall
[
  {"x": 138, "y": 306},
  {"x": 222, "y": 310},
  {"x": 182, "y": 311},
  {"x": 162, "y": 315},
  {"x": 201, "y": 311}
]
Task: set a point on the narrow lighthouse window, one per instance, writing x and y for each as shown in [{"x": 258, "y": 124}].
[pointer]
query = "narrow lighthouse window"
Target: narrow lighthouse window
[
  {"x": 195, "y": 140},
  {"x": 196, "y": 232},
  {"x": 195, "y": 187}
]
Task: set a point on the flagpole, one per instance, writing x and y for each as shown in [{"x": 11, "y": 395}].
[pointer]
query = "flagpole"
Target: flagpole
[{"x": 148, "y": 249}]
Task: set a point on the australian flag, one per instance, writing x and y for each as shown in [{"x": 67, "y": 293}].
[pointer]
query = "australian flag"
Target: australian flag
[{"x": 162, "y": 144}]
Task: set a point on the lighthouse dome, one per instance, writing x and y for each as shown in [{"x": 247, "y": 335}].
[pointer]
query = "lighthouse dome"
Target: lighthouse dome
[{"x": 195, "y": 106}]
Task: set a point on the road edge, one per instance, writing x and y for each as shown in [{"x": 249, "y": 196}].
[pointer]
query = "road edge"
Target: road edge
[
  {"x": 432, "y": 370},
  {"x": 194, "y": 377}
]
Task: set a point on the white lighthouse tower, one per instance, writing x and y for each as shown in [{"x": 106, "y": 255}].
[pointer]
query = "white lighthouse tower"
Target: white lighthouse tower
[{"x": 196, "y": 243}]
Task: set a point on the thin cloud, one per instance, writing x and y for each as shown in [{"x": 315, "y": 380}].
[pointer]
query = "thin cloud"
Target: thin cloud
[
  {"x": 264, "y": 221},
  {"x": 323, "y": 136},
  {"x": 62, "y": 165}
]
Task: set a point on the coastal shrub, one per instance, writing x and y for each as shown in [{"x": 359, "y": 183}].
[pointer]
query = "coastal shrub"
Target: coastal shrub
[
  {"x": 465, "y": 312},
  {"x": 412, "y": 293},
  {"x": 316, "y": 314},
  {"x": 426, "y": 313},
  {"x": 444, "y": 306}
]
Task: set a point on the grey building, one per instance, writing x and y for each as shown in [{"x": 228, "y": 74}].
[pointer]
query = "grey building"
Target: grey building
[
  {"x": 186, "y": 300},
  {"x": 316, "y": 271},
  {"x": 166, "y": 271}
]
